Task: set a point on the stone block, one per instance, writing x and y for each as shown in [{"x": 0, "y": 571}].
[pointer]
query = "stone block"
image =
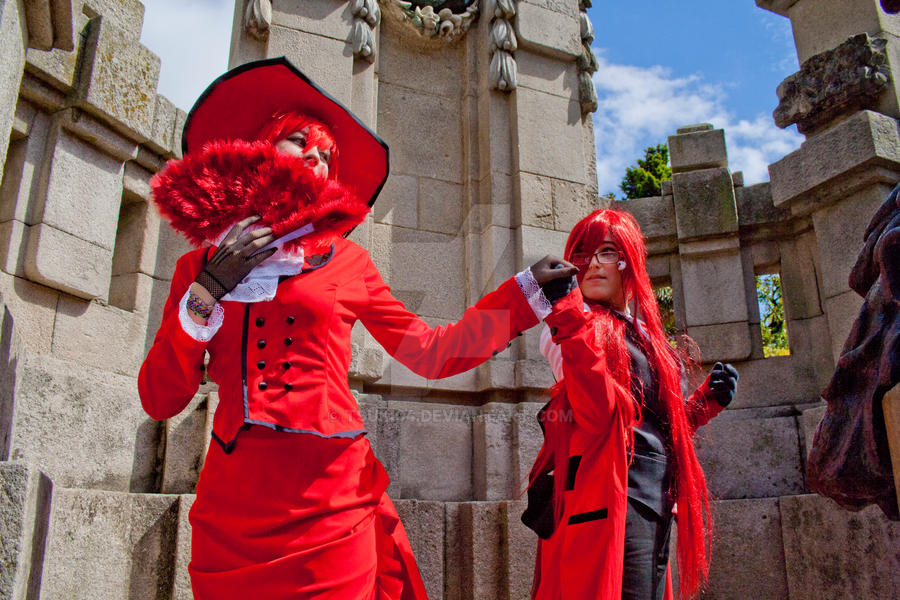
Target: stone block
[
  {"x": 424, "y": 524},
  {"x": 747, "y": 552},
  {"x": 455, "y": 571},
  {"x": 423, "y": 131},
  {"x": 12, "y": 48},
  {"x": 806, "y": 337},
  {"x": 440, "y": 206},
  {"x": 181, "y": 588},
  {"x": 705, "y": 204},
  {"x": 546, "y": 31},
  {"x": 84, "y": 425},
  {"x": 162, "y": 133},
  {"x": 482, "y": 556},
  {"x": 492, "y": 452},
  {"x": 774, "y": 381},
  {"x": 571, "y": 203},
  {"x": 520, "y": 546},
  {"x": 496, "y": 142},
  {"x": 33, "y": 307},
  {"x": 120, "y": 78},
  {"x": 327, "y": 61},
  {"x": 136, "y": 182},
  {"x": 548, "y": 75},
  {"x": 536, "y": 200},
  {"x": 435, "y": 442},
  {"x": 809, "y": 422},
  {"x": 497, "y": 258},
  {"x": 799, "y": 284},
  {"x": 764, "y": 258},
  {"x": 83, "y": 191},
  {"x": 128, "y": 15},
  {"x": 655, "y": 215},
  {"x": 13, "y": 238},
  {"x": 534, "y": 374},
  {"x": 68, "y": 263},
  {"x": 839, "y": 230},
  {"x": 398, "y": 60},
  {"x": 429, "y": 277},
  {"x": 536, "y": 243},
  {"x": 834, "y": 554},
  {"x": 105, "y": 337},
  {"x": 368, "y": 356},
  {"x": 698, "y": 150},
  {"x": 186, "y": 440},
  {"x": 750, "y": 458},
  {"x": 549, "y": 135},
  {"x": 860, "y": 150},
  {"x": 820, "y": 26},
  {"x": 170, "y": 246},
  {"x": 329, "y": 18},
  {"x": 713, "y": 287},
  {"x": 24, "y": 513},
  {"x": 841, "y": 311},
  {"x": 57, "y": 66},
  {"x": 180, "y": 118},
  {"x": 398, "y": 202},
  {"x": 110, "y": 545},
  {"x": 755, "y": 206},
  {"x": 722, "y": 341},
  {"x": 39, "y": 24},
  {"x": 527, "y": 442}
]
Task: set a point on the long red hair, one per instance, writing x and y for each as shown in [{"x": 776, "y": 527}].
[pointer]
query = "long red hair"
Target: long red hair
[{"x": 688, "y": 480}]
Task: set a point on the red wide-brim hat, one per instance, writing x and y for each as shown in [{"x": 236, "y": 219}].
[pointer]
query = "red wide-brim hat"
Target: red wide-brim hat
[{"x": 237, "y": 104}]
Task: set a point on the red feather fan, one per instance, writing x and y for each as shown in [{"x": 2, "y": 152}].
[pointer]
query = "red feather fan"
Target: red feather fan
[{"x": 205, "y": 193}]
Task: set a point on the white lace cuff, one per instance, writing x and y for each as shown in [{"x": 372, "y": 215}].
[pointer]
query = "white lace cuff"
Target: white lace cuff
[
  {"x": 201, "y": 333},
  {"x": 533, "y": 293}
]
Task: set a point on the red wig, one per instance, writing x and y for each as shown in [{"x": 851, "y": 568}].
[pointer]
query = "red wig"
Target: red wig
[
  {"x": 318, "y": 135},
  {"x": 688, "y": 480}
]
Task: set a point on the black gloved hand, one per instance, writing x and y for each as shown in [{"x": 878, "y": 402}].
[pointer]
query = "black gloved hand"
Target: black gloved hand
[
  {"x": 722, "y": 383},
  {"x": 235, "y": 258},
  {"x": 555, "y": 276}
]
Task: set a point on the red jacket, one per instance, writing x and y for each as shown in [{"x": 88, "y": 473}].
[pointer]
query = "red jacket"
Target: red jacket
[
  {"x": 583, "y": 558},
  {"x": 284, "y": 363}
]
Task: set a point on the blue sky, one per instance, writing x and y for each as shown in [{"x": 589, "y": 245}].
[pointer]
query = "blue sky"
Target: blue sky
[{"x": 663, "y": 64}]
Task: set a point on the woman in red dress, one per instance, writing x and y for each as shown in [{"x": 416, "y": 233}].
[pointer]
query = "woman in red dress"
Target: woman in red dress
[
  {"x": 618, "y": 451},
  {"x": 291, "y": 501}
]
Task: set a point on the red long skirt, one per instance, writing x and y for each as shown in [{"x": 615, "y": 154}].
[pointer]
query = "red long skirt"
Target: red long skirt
[{"x": 301, "y": 517}]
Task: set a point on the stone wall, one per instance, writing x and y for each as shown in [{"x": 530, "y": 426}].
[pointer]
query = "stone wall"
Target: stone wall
[{"x": 493, "y": 162}]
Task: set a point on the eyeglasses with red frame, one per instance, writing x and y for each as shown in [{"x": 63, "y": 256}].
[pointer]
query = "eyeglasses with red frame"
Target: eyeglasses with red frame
[{"x": 605, "y": 256}]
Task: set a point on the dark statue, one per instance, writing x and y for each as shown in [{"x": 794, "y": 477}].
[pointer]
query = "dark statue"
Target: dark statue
[{"x": 850, "y": 460}]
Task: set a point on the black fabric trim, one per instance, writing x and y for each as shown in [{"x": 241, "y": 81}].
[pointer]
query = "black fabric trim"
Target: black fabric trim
[
  {"x": 228, "y": 447},
  {"x": 574, "y": 462},
  {"x": 245, "y": 332},
  {"x": 594, "y": 515}
]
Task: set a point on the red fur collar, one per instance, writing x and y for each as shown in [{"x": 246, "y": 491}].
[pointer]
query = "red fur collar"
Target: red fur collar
[{"x": 205, "y": 193}]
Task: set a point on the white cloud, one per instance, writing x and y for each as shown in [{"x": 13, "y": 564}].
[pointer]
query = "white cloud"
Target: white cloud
[
  {"x": 192, "y": 38},
  {"x": 640, "y": 107}
]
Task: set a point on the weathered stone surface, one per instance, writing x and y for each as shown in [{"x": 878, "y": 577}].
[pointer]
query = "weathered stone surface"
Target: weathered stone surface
[
  {"x": 546, "y": 74},
  {"x": 327, "y": 61},
  {"x": 110, "y": 545},
  {"x": 122, "y": 79},
  {"x": 805, "y": 337},
  {"x": 698, "y": 150},
  {"x": 549, "y": 32},
  {"x": 779, "y": 380},
  {"x": 821, "y": 26},
  {"x": 83, "y": 425},
  {"x": 58, "y": 66},
  {"x": 831, "y": 165},
  {"x": 497, "y": 258},
  {"x": 655, "y": 215},
  {"x": 440, "y": 206},
  {"x": 834, "y": 554},
  {"x": 536, "y": 243},
  {"x": 320, "y": 17},
  {"x": 836, "y": 82},
  {"x": 537, "y": 201},
  {"x": 397, "y": 60},
  {"x": 68, "y": 263},
  {"x": 750, "y": 458},
  {"x": 12, "y": 48},
  {"x": 181, "y": 587},
  {"x": 424, "y": 524},
  {"x": 398, "y": 202},
  {"x": 492, "y": 453},
  {"x": 520, "y": 546},
  {"x": 527, "y": 441},
  {"x": 482, "y": 541},
  {"x": 186, "y": 438},
  {"x": 128, "y": 15},
  {"x": 798, "y": 277},
  {"x": 33, "y": 308},
  {"x": 809, "y": 421},
  {"x": 841, "y": 311},
  {"x": 13, "y": 237},
  {"x": 549, "y": 136},
  {"x": 24, "y": 512},
  {"x": 423, "y": 131},
  {"x": 162, "y": 134},
  {"x": 755, "y": 207},
  {"x": 713, "y": 288},
  {"x": 747, "y": 553},
  {"x": 722, "y": 341},
  {"x": 704, "y": 203},
  {"x": 440, "y": 467},
  {"x": 571, "y": 203}
]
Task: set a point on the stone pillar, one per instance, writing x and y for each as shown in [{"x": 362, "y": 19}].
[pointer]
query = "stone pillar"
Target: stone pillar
[
  {"x": 13, "y": 40},
  {"x": 24, "y": 513},
  {"x": 712, "y": 273},
  {"x": 845, "y": 100}
]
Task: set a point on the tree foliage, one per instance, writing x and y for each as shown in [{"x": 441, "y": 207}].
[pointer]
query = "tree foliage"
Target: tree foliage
[
  {"x": 645, "y": 179},
  {"x": 771, "y": 315}
]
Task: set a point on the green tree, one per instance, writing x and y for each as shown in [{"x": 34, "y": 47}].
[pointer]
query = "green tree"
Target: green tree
[
  {"x": 644, "y": 179},
  {"x": 771, "y": 315}
]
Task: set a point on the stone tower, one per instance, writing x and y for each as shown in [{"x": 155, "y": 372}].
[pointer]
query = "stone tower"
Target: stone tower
[{"x": 487, "y": 109}]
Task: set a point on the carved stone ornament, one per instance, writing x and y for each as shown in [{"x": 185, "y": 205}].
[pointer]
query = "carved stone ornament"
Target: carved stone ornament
[
  {"x": 258, "y": 18},
  {"x": 502, "y": 36},
  {"x": 504, "y": 72},
  {"x": 587, "y": 65},
  {"x": 366, "y": 16},
  {"x": 842, "y": 80},
  {"x": 446, "y": 20},
  {"x": 367, "y": 10}
]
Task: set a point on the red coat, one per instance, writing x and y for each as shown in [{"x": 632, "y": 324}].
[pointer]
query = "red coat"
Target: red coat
[
  {"x": 583, "y": 558},
  {"x": 295, "y": 507}
]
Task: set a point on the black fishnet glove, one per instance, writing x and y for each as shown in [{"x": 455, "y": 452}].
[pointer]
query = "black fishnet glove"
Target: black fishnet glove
[
  {"x": 235, "y": 258},
  {"x": 555, "y": 276},
  {"x": 722, "y": 383}
]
